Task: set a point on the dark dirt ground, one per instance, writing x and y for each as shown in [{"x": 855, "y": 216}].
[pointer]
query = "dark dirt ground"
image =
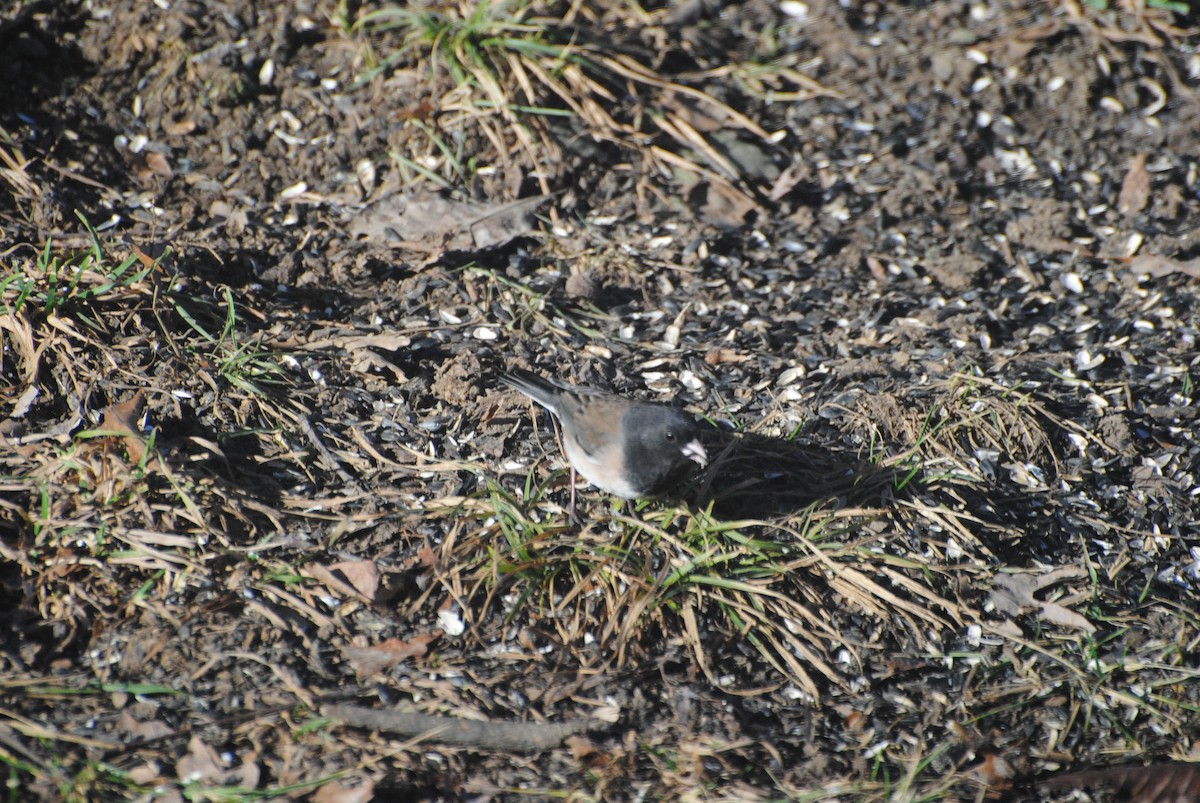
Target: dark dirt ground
[{"x": 937, "y": 291}]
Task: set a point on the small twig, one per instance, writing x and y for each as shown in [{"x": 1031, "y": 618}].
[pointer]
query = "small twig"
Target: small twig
[{"x": 523, "y": 737}]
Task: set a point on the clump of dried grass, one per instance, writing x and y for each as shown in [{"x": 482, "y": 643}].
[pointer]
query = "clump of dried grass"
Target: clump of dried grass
[
  {"x": 528, "y": 80},
  {"x": 97, "y": 517}
]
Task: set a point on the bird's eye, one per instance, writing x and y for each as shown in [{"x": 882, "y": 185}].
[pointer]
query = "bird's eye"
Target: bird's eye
[{"x": 670, "y": 435}]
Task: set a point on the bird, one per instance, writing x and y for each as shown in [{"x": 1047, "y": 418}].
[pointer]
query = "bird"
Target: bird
[{"x": 629, "y": 448}]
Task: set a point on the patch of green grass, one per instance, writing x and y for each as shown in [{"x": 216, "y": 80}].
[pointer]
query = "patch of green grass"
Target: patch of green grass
[
  {"x": 524, "y": 534},
  {"x": 1168, "y": 5},
  {"x": 104, "y": 295},
  {"x": 494, "y": 71},
  {"x": 913, "y": 465},
  {"x": 532, "y": 555},
  {"x": 613, "y": 571},
  {"x": 468, "y": 42},
  {"x": 90, "y": 689},
  {"x": 68, "y": 286},
  {"x": 242, "y": 363},
  {"x": 452, "y": 160},
  {"x": 496, "y": 64}
]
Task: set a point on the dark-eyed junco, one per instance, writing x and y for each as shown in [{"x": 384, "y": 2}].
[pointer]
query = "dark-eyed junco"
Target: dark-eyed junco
[{"x": 634, "y": 449}]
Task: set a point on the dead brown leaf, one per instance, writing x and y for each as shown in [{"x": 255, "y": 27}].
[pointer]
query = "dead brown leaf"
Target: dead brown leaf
[
  {"x": 121, "y": 419},
  {"x": 432, "y": 223},
  {"x": 340, "y": 793},
  {"x": 148, "y": 165},
  {"x": 359, "y": 578},
  {"x": 993, "y": 770},
  {"x": 426, "y": 558},
  {"x": 1013, "y": 594},
  {"x": 718, "y": 355},
  {"x": 1157, "y": 265},
  {"x": 1135, "y": 189},
  {"x": 368, "y": 661},
  {"x": 200, "y": 763},
  {"x": 150, "y": 729},
  {"x": 179, "y": 128},
  {"x": 149, "y": 774},
  {"x": 726, "y": 205},
  {"x": 585, "y": 751},
  {"x": 247, "y": 774}
]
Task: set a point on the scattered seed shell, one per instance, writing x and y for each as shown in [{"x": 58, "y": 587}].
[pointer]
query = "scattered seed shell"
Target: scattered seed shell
[
  {"x": 293, "y": 191},
  {"x": 365, "y": 170},
  {"x": 791, "y": 375},
  {"x": 1086, "y": 361},
  {"x": 451, "y": 623}
]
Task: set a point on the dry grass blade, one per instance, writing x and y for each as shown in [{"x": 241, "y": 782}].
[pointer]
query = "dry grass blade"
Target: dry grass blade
[
  {"x": 918, "y": 590},
  {"x": 16, "y": 169},
  {"x": 18, "y": 338},
  {"x": 754, "y": 79},
  {"x": 492, "y": 56},
  {"x": 40, "y": 731},
  {"x": 670, "y": 157},
  {"x": 684, "y": 133},
  {"x": 102, "y": 525},
  {"x": 626, "y": 67},
  {"x": 870, "y": 596},
  {"x": 946, "y": 519},
  {"x": 767, "y": 628},
  {"x": 584, "y": 97}
]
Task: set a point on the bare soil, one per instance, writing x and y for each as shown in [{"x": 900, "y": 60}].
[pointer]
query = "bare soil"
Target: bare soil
[{"x": 936, "y": 294}]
